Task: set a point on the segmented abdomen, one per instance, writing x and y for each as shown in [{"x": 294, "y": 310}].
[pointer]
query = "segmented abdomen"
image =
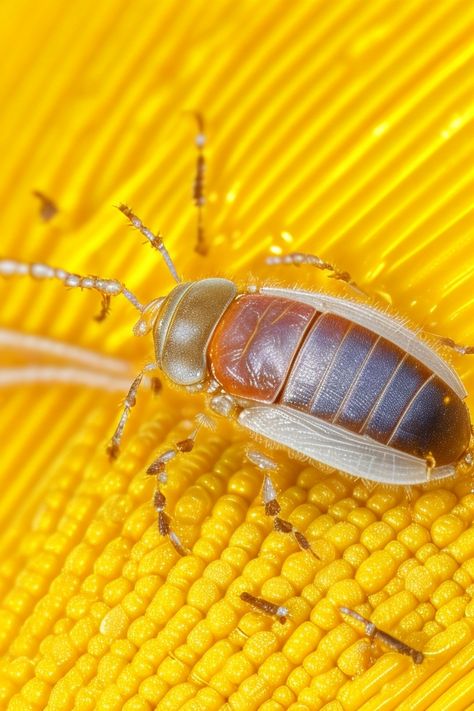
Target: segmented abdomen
[{"x": 276, "y": 350}]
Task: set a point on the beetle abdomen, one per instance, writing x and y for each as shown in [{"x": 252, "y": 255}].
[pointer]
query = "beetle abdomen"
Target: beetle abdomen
[
  {"x": 372, "y": 387},
  {"x": 275, "y": 350}
]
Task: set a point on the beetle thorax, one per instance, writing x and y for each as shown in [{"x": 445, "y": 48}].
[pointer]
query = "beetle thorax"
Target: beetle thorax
[{"x": 184, "y": 325}]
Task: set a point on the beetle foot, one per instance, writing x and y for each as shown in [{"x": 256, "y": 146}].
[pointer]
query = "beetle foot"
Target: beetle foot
[
  {"x": 273, "y": 508},
  {"x": 164, "y": 524},
  {"x": 458, "y": 347},
  {"x": 283, "y": 526},
  {"x": 158, "y": 469},
  {"x": 156, "y": 385},
  {"x": 271, "y": 504},
  {"x": 112, "y": 450}
]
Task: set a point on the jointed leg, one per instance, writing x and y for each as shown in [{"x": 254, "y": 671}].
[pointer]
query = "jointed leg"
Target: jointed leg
[
  {"x": 389, "y": 640},
  {"x": 164, "y": 525},
  {"x": 299, "y": 258},
  {"x": 158, "y": 469},
  {"x": 269, "y": 608},
  {"x": 430, "y": 465},
  {"x": 463, "y": 350},
  {"x": 270, "y": 501},
  {"x": 113, "y": 448}
]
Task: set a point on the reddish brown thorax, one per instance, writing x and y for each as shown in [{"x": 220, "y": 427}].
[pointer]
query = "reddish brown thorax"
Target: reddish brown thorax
[{"x": 255, "y": 342}]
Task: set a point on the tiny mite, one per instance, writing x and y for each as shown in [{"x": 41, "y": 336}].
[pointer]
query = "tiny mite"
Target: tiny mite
[
  {"x": 269, "y": 608},
  {"x": 373, "y": 632},
  {"x": 331, "y": 380},
  {"x": 48, "y": 208}
]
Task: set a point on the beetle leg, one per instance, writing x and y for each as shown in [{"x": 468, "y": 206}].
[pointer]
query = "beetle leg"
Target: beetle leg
[
  {"x": 113, "y": 448},
  {"x": 373, "y": 633},
  {"x": 269, "y": 608},
  {"x": 164, "y": 527},
  {"x": 271, "y": 504},
  {"x": 283, "y": 526},
  {"x": 430, "y": 465},
  {"x": 463, "y": 350},
  {"x": 36, "y": 270},
  {"x": 158, "y": 466},
  {"x": 155, "y": 385},
  {"x": 158, "y": 469},
  {"x": 299, "y": 258}
]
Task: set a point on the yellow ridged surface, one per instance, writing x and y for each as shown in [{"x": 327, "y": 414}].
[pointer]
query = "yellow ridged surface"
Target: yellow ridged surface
[{"x": 340, "y": 128}]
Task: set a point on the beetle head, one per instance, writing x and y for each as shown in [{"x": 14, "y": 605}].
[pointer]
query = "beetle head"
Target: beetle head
[{"x": 183, "y": 323}]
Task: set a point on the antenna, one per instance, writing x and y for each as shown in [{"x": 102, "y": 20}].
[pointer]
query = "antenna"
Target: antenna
[
  {"x": 156, "y": 241},
  {"x": 199, "y": 196}
]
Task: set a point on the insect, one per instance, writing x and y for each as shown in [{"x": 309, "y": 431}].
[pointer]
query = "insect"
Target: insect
[
  {"x": 373, "y": 632},
  {"x": 269, "y": 608},
  {"x": 330, "y": 379},
  {"x": 48, "y": 208}
]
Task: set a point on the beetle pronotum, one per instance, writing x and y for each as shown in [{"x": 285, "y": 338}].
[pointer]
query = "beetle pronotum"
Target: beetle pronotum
[{"x": 331, "y": 379}]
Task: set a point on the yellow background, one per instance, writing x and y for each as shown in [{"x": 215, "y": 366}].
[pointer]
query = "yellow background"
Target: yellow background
[{"x": 340, "y": 128}]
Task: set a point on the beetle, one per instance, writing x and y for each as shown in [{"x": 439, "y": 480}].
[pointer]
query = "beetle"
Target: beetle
[{"x": 330, "y": 379}]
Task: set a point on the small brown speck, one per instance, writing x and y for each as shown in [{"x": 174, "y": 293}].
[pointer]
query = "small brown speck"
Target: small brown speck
[{"x": 48, "y": 208}]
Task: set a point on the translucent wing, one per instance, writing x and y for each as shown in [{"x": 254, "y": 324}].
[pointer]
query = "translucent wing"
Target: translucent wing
[{"x": 339, "y": 448}]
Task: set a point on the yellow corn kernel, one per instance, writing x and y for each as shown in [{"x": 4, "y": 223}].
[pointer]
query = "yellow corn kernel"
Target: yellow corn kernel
[
  {"x": 429, "y": 507},
  {"x": 355, "y": 554},
  {"x": 355, "y": 659},
  {"x": 302, "y": 641},
  {"x": 342, "y": 535},
  {"x": 325, "y": 685},
  {"x": 375, "y": 572},
  {"x": 377, "y": 536}
]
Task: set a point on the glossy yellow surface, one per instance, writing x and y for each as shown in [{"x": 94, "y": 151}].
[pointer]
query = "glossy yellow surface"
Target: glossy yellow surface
[{"x": 340, "y": 128}]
